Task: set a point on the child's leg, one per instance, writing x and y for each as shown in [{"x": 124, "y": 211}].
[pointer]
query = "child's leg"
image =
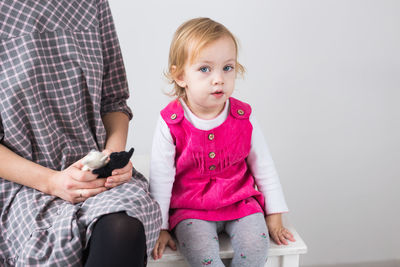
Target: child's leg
[
  {"x": 198, "y": 242},
  {"x": 250, "y": 240}
]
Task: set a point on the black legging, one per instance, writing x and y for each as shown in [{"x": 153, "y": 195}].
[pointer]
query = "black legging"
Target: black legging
[{"x": 117, "y": 240}]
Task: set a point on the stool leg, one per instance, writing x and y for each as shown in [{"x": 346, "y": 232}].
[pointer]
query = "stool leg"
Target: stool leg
[
  {"x": 290, "y": 261},
  {"x": 274, "y": 261}
]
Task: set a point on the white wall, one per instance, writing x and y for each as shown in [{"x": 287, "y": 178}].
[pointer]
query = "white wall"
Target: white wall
[{"x": 324, "y": 80}]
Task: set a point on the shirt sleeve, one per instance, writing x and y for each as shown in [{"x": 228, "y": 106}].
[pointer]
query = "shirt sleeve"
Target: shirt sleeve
[
  {"x": 162, "y": 169},
  {"x": 264, "y": 172},
  {"x": 115, "y": 89}
]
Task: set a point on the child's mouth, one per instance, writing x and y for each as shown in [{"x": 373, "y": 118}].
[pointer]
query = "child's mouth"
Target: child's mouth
[{"x": 218, "y": 93}]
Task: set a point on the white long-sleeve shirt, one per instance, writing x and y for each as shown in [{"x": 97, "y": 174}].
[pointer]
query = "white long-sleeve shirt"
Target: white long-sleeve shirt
[{"x": 162, "y": 165}]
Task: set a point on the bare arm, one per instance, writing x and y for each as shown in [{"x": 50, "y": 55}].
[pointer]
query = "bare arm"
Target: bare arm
[
  {"x": 22, "y": 171},
  {"x": 71, "y": 184},
  {"x": 116, "y": 124}
]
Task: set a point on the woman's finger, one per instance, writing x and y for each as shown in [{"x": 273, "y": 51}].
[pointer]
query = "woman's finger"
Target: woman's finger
[
  {"x": 78, "y": 164},
  {"x": 116, "y": 180},
  {"x": 91, "y": 184},
  {"x": 127, "y": 168},
  {"x": 106, "y": 152},
  {"x": 78, "y": 175},
  {"x": 79, "y": 196},
  {"x": 83, "y": 194}
]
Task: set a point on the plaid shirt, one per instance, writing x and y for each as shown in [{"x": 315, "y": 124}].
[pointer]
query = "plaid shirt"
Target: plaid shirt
[{"x": 60, "y": 70}]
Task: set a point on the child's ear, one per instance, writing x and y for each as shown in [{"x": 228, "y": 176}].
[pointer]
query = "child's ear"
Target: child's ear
[
  {"x": 178, "y": 78},
  {"x": 181, "y": 83}
]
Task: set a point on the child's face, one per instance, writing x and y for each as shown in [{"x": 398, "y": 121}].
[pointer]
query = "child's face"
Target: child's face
[{"x": 210, "y": 79}]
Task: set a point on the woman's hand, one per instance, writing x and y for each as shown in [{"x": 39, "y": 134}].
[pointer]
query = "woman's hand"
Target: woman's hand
[
  {"x": 276, "y": 230},
  {"x": 75, "y": 185},
  {"x": 164, "y": 239},
  {"x": 118, "y": 176}
]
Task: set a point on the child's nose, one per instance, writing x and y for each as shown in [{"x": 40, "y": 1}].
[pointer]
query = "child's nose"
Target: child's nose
[{"x": 218, "y": 78}]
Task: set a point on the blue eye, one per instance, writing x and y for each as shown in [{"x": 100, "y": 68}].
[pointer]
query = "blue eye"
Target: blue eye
[
  {"x": 228, "y": 68},
  {"x": 204, "y": 69}
]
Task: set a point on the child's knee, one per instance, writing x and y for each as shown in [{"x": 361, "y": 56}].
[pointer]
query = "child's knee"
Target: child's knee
[
  {"x": 197, "y": 243},
  {"x": 257, "y": 242},
  {"x": 196, "y": 235},
  {"x": 200, "y": 252}
]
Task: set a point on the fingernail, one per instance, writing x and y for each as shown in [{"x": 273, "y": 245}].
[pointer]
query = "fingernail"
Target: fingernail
[
  {"x": 109, "y": 181},
  {"x": 114, "y": 173}
]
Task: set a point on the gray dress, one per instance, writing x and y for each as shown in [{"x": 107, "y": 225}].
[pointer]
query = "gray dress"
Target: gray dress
[{"x": 60, "y": 70}]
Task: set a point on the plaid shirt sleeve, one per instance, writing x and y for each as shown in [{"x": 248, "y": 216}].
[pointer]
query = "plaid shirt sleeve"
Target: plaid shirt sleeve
[{"x": 115, "y": 89}]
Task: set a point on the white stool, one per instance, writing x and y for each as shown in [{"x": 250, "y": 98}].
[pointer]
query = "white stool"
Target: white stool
[{"x": 278, "y": 256}]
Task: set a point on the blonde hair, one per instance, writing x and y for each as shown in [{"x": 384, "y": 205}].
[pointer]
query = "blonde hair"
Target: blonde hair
[{"x": 191, "y": 37}]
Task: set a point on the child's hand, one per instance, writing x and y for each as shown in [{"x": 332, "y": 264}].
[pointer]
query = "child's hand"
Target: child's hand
[
  {"x": 164, "y": 239},
  {"x": 276, "y": 230}
]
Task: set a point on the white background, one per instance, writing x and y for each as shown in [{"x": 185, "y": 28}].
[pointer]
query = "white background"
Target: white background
[{"x": 323, "y": 78}]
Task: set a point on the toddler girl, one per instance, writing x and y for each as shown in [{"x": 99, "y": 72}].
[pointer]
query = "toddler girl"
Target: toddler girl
[{"x": 209, "y": 154}]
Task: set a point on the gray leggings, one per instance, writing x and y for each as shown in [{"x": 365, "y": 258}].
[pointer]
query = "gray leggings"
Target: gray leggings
[{"x": 198, "y": 241}]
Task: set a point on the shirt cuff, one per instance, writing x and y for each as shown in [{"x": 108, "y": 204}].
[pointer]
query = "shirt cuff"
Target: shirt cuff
[
  {"x": 120, "y": 106},
  {"x": 279, "y": 204}
]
